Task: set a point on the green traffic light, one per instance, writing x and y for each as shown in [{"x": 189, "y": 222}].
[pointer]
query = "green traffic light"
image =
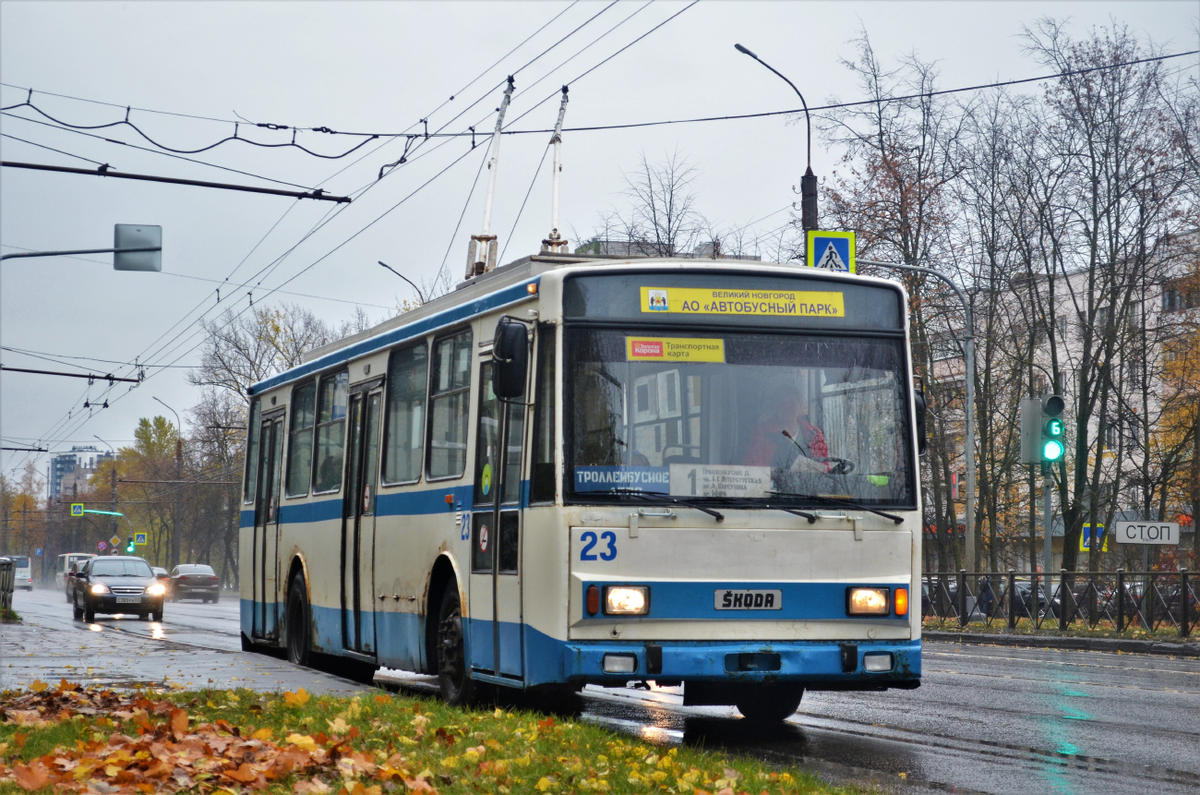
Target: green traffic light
[{"x": 1052, "y": 450}]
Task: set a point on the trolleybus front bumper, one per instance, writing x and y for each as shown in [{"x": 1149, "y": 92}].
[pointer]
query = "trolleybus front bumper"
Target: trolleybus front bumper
[{"x": 817, "y": 665}]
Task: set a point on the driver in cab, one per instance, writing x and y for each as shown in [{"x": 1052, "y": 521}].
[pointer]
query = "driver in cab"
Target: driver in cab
[{"x": 786, "y": 440}]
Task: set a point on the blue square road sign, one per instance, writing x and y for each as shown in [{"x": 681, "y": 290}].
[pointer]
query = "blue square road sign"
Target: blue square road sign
[{"x": 832, "y": 251}]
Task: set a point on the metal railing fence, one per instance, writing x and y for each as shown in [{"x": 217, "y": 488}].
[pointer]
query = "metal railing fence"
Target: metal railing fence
[{"x": 1116, "y": 600}]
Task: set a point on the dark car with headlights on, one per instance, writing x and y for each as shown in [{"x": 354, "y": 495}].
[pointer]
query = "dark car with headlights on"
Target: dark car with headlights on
[
  {"x": 194, "y": 581},
  {"x": 118, "y": 584}
]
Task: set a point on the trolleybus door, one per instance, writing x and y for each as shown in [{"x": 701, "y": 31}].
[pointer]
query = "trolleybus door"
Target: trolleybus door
[
  {"x": 266, "y": 530},
  {"x": 495, "y": 600},
  {"x": 358, "y": 523}
]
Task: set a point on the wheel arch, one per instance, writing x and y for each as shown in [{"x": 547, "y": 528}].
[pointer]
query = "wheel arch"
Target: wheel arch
[
  {"x": 299, "y": 566},
  {"x": 445, "y": 569}
]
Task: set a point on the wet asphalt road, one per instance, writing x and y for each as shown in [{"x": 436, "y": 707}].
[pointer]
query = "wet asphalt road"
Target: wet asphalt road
[{"x": 986, "y": 719}]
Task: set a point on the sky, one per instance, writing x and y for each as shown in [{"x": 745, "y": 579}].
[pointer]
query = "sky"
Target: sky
[{"x": 188, "y": 72}]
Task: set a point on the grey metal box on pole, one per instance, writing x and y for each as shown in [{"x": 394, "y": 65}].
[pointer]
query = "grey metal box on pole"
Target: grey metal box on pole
[{"x": 1031, "y": 431}]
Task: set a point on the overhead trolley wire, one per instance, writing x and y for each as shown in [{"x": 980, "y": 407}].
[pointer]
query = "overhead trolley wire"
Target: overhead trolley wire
[
  {"x": 335, "y": 211},
  {"x": 52, "y": 149},
  {"x": 158, "y": 152},
  {"x": 227, "y": 139}
]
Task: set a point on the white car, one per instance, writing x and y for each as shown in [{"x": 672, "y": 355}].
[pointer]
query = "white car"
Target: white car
[{"x": 24, "y": 572}]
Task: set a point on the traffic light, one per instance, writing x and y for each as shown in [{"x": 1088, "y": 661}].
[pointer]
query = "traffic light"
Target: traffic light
[
  {"x": 1052, "y": 443},
  {"x": 129, "y": 547},
  {"x": 1042, "y": 429}
]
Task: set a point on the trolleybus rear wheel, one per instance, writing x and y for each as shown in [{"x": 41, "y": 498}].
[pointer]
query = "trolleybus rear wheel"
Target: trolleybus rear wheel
[
  {"x": 453, "y": 677},
  {"x": 771, "y": 704},
  {"x": 298, "y": 622}
]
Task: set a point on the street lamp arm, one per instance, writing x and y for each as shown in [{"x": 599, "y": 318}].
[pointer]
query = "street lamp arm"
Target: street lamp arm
[
  {"x": 405, "y": 278},
  {"x": 807, "y": 120}
]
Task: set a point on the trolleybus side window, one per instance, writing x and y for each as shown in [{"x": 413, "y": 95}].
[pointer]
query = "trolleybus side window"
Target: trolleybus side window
[
  {"x": 252, "y": 453},
  {"x": 300, "y": 439},
  {"x": 541, "y": 487},
  {"x": 448, "y": 405},
  {"x": 404, "y": 445},
  {"x": 331, "y": 432}
]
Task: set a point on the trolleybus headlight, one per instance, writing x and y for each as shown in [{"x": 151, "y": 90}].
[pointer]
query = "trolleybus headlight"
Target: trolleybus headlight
[
  {"x": 157, "y": 589},
  {"x": 626, "y": 600},
  {"x": 99, "y": 588},
  {"x": 867, "y": 601}
]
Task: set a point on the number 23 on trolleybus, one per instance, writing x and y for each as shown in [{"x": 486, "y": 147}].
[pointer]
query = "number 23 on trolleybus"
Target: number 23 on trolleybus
[{"x": 586, "y": 470}]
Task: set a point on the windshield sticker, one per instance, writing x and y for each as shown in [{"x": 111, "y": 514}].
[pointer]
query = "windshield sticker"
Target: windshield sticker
[
  {"x": 674, "y": 349},
  {"x": 710, "y": 480},
  {"x": 651, "y": 479},
  {"x": 782, "y": 303}
]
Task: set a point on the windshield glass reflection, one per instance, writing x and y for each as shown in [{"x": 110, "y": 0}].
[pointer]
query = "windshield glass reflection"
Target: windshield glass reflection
[{"x": 736, "y": 415}]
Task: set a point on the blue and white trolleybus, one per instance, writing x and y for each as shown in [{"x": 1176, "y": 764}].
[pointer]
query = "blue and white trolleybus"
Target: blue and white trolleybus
[{"x": 576, "y": 470}]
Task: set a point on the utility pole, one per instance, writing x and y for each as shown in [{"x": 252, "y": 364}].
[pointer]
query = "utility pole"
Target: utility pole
[
  {"x": 178, "y": 477},
  {"x": 113, "y": 477}
]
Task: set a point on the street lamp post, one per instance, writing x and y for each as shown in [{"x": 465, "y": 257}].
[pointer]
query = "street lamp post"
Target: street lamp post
[
  {"x": 808, "y": 183},
  {"x": 178, "y": 478},
  {"x": 969, "y": 364}
]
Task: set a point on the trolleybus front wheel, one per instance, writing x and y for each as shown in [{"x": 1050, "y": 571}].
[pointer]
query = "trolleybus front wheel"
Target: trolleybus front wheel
[
  {"x": 298, "y": 622},
  {"x": 453, "y": 677},
  {"x": 765, "y": 703}
]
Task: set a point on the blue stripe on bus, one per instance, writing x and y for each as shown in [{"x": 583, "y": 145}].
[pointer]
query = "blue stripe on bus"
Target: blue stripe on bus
[
  {"x": 448, "y": 317},
  {"x": 695, "y": 599},
  {"x": 402, "y": 503},
  {"x": 311, "y": 511}
]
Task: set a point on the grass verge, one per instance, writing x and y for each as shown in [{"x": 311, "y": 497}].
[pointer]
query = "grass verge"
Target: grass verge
[{"x": 66, "y": 738}]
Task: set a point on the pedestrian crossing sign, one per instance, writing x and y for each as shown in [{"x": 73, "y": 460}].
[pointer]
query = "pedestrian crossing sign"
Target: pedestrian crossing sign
[
  {"x": 139, "y": 538},
  {"x": 77, "y": 509},
  {"x": 1085, "y": 538},
  {"x": 831, "y": 251}
]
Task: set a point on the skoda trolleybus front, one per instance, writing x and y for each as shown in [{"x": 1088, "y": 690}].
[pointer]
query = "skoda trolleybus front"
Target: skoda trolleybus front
[{"x": 740, "y": 485}]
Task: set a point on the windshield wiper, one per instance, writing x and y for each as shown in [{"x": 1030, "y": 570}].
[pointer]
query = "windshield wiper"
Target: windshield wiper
[
  {"x": 747, "y": 502},
  {"x": 838, "y": 501},
  {"x": 657, "y": 496}
]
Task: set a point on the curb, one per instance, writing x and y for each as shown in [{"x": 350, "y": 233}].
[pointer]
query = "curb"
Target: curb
[{"x": 1075, "y": 644}]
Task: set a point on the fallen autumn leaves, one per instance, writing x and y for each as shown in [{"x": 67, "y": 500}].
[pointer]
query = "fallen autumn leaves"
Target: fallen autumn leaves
[{"x": 102, "y": 741}]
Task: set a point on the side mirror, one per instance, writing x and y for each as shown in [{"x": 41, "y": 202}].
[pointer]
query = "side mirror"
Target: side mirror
[
  {"x": 510, "y": 352},
  {"x": 921, "y": 406}
]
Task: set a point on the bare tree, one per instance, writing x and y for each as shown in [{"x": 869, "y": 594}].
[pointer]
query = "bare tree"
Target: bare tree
[
  {"x": 243, "y": 350},
  {"x": 661, "y": 220}
]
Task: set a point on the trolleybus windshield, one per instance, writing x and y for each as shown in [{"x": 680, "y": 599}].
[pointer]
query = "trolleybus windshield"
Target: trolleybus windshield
[{"x": 732, "y": 414}]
